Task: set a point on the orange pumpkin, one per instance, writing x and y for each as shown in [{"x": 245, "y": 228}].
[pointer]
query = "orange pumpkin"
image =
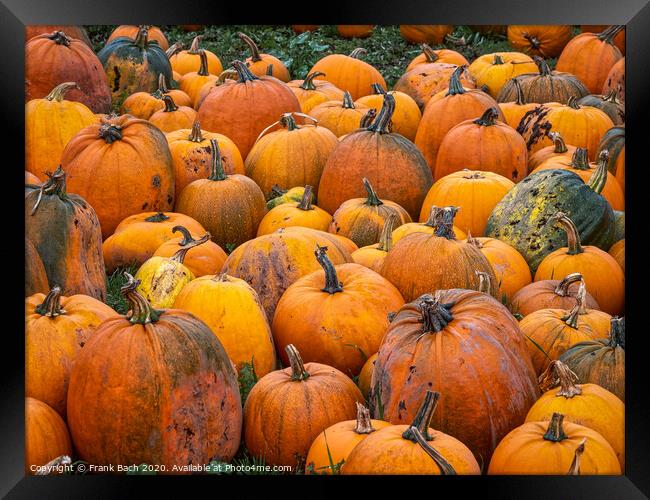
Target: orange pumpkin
[
  {"x": 372, "y": 256},
  {"x": 341, "y": 117},
  {"x": 428, "y": 226},
  {"x": 259, "y": 63},
  {"x": 406, "y": 116},
  {"x": 173, "y": 117},
  {"x": 514, "y": 111},
  {"x": 131, "y": 31},
  {"x": 46, "y": 436},
  {"x": 619, "y": 38},
  {"x": 493, "y": 71},
  {"x": 557, "y": 150},
  {"x": 35, "y": 275},
  {"x": 616, "y": 79},
  {"x": 432, "y": 34},
  {"x": 355, "y": 30},
  {"x": 186, "y": 61},
  {"x": 312, "y": 92},
  {"x": 365, "y": 375},
  {"x": 302, "y": 214},
  {"x": 144, "y": 104},
  {"x": 31, "y": 178},
  {"x": 442, "y": 55},
  {"x": 617, "y": 250},
  {"x": 32, "y": 30},
  {"x": 192, "y": 82},
  {"x": 347, "y": 243},
  {"x": 540, "y": 40}
]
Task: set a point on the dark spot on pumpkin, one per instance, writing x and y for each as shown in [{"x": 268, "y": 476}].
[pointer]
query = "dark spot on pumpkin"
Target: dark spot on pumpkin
[
  {"x": 76, "y": 223},
  {"x": 169, "y": 199},
  {"x": 145, "y": 205},
  {"x": 155, "y": 181},
  {"x": 402, "y": 405},
  {"x": 116, "y": 80}
]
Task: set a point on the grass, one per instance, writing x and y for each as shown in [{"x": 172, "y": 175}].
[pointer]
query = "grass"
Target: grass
[{"x": 114, "y": 282}]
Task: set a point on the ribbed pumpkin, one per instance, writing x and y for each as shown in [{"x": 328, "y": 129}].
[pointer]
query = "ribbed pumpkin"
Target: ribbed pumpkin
[
  {"x": 515, "y": 110},
  {"x": 35, "y": 275},
  {"x": 350, "y": 73},
  {"x": 287, "y": 409},
  {"x": 155, "y": 373},
  {"x": 392, "y": 163},
  {"x": 365, "y": 375},
  {"x": 372, "y": 256},
  {"x": 614, "y": 142},
  {"x": 312, "y": 92},
  {"x": 46, "y": 435},
  {"x": 619, "y": 38},
  {"x": 144, "y": 104},
  {"x": 601, "y": 361},
  {"x": 412, "y": 449},
  {"x": 540, "y": 40},
  {"x": 232, "y": 310},
  {"x": 428, "y": 226},
  {"x": 226, "y": 76},
  {"x": 617, "y": 251},
  {"x": 590, "y": 57},
  {"x": 65, "y": 232},
  {"x": 558, "y": 149},
  {"x": 49, "y": 124},
  {"x": 609, "y": 103},
  {"x": 407, "y": 115},
  {"x": 554, "y": 447},
  {"x": 616, "y": 80},
  {"x": 424, "y": 347},
  {"x": 433, "y": 34},
  {"x": 354, "y": 30},
  {"x": 272, "y": 262},
  {"x": 55, "y": 58},
  {"x": 492, "y": 71},
  {"x": 550, "y": 294},
  {"x": 347, "y": 243},
  {"x": 292, "y": 156},
  {"x": 32, "y": 30},
  {"x": 341, "y": 116},
  {"x": 422, "y": 263},
  {"x": 173, "y": 117},
  {"x": 362, "y": 219},
  {"x": 442, "y": 55},
  {"x": 186, "y": 61},
  {"x": 229, "y": 206},
  {"x": 425, "y": 80},
  {"x": 336, "y": 323},
  {"x": 302, "y": 214},
  {"x": 121, "y": 159},
  {"x": 259, "y": 63},
  {"x": 484, "y": 143},
  {"x": 242, "y": 109},
  {"x": 132, "y": 32},
  {"x": 192, "y": 82}
]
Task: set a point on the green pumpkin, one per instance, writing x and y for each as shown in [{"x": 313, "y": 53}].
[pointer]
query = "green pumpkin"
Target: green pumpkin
[
  {"x": 134, "y": 65},
  {"x": 280, "y": 196},
  {"x": 521, "y": 217},
  {"x": 619, "y": 225}
]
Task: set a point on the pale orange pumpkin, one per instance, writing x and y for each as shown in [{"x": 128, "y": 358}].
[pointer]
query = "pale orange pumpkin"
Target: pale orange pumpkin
[
  {"x": 312, "y": 92},
  {"x": 427, "y": 226},
  {"x": 259, "y": 63},
  {"x": 186, "y": 61},
  {"x": 302, "y": 214}
]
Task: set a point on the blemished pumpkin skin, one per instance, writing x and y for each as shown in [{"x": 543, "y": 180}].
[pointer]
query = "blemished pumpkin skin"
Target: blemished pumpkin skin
[
  {"x": 302, "y": 214},
  {"x": 186, "y": 61},
  {"x": 581, "y": 403},
  {"x": 429, "y": 334},
  {"x": 550, "y": 294},
  {"x": 616, "y": 80},
  {"x": 428, "y": 226},
  {"x": 173, "y": 117},
  {"x": 144, "y": 104},
  {"x": 46, "y": 435},
  {"x": 432, "y": 34},
  {"x": 363, "y": 219},
  {"x": 372, "y": 256},
  {"x": 134, "y": 65},
  {"x": 549, "y": 447},
  {"x": 121, "y": 158},
  {"x": 161, "y": 373},
  {"x": 337, "y": 441},
  {"x": 354, "y": 30},
  {"x": 65, "y": 232},
  {"x": 475, "y": 192},
  {"x": 335, "y": 316},
  {"x": 493, "y": 71},
  {"x": 442, "y": 55},
  {"x": 423, "y": 263},
  {"x": 558, "y": 149},
  {"x": 614, "y": 142},
  {"x": 232, "y": 310},
  {"x": 191, "y": 83},
  {"x": 201, "y": 260},
  {"x": 513, "y": 111},
  {"x": 601, "y": 273},
  {"x": 350, "y": 73},
  {"x": 137, "y": 237},
  {"x": 56, "y": 329},
  {"x": 242, "y": 109},
  {"x": 271, "y": 263},
  {"x": 311, "y": 92},
  {"x": 341, "y": 116},
  {"x": 392, "y": 163},
  {"x": 292, "y": 156},
  {"x": 78, "y": 32},
  {"x": 601, "y": 361},
  {"x": 609, "y": 103},
  {"x": 365, "y": 376},
  {"x": 49, "y": 124},
  {"x": 259, "y": 63},
  {"x": 486, "y": 144},
  {"x": 35, "y": 275},
  {"x": 131, "y": 31},
  {"x": 540, "y": 40},
  {"x": 617, "y": 251},
  {"x": 287, "y": 409},
  {"x": 590, "y": 57}
]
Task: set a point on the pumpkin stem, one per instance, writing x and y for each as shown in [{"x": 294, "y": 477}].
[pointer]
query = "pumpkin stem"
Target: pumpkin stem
[
  {"x": 224, "y": 75},
  {"x": 187, "y": 236},
  {"x": 332, "y": 283},
  {"x": 435, "y": 315},
  {"x": 305, "y": 201},
  {"x": 170, "y": 105},
  {"x": 142, "y": 37},
  {"x": 194, "y": 46},
  {"x": 571, "y": 319},
  {"x": 579, "y": 160},
  {"x": 141, "y": 311},
  {"x": 298, "y": 371},
  {"x": 255, "y": 52},
  {"x": 497, "y": 59},
  {"x": 216, "y": 171},
  {"x": 484, "y": 282},
  {"x": 573, "y": 102},
  {"x": 609, "y": 33},
  {"x": 429, "y": 54},
  {"x": 59, "y": 91},
  {"x": 433, "y": 216},
  {"x": 358, "y": 52},
  {"x": 158, "y": 217},
  {"x": 55, "y": 184},
  {"x": 488, "y": 118},
  {"x": 611, "y": 96},
  {"x": 560, "y": 374},
  {"x": 368, "y": 118},
  {"x": 445, "y": 223},
  {"x": 364, "y": 423},
  {"x": 455, "y": 85},
  {"x": 542, "y": 65},
  {"x": 288, "y": 121},
  {"x": 162, "y": 84},
  {"x": 377, "y": 89},
  {"x": 574, "y": 470},
  {"x": 555, "y": 432},
  {"x": 308, "y": 82},
  {"x": 51, "y": 306},
  {"x": 573, "y": 237},
  {"x": 382, "y": 122},
  {"x": 196, "y": 134},
  {"x": 180, "y": 254},
  {"x": 277, "y": 191},
  {"x": 446, "y": 469},
  {"x": 423, "y": 417},
  {"x": 60, "y": 38},
  {"x": 562, "y": 288},
  {"x": 243, "y": 73},
  {"x": 110, "y": 133},
  {"x": 372, "y": 200},
  {"x": 520, "y": 101},
  {"x": 176, "y": 47},
  {"x": 558, "y": 142},
  {"x": 386, "y": 238},
  {"x": 203, "y": 69},
  {"x": 617, "y": 332},
  {"x": 348, "y": 103},
  {"x": 598, "y": 179}
]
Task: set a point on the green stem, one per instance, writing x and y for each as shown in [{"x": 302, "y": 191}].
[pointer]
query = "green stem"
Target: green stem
[
  {"x": 382, "y": 122},
  {"x": 580, "y": 160},
  {"x": 555, "y": 432},
  {"x": 332, "y": 283},
  {"x": 372, "y": 200},
  {"x": 497, "y": 59},
  {"x": 598, "y": 179},
  {"x": 142, "y": 37},
  {"x": 141, "y": 311},
  {"x": 308, "y": 82},
  {"x": 59, "y": 91},
  {"x": 244, "y": 74},
  {"x": 51, "y": 306},
  {"x": 455, "y": 85},
  {"x": 255, "y": 52},
  {"x": 558, "y": 142},
  {"x": 305, "y": 202},
  {"x": 298, "y": 371},
  {"x": 216, "y": 171},
  {"x": 488, "y": 118}
]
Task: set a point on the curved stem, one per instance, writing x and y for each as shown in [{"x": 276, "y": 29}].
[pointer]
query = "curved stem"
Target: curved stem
[
  {"x": 484, "y": 282},
  {"x": 573, "y": 237},
  {"x": 110, "y": 133},
  {"x": 429, "y": 54},
  {"x": 348, "y": 102},
  {"x": 176, "y": 47},
  {"x": 560, "y": 374},
  {"x": 187, "y": 236},
  {"x": 520, "y": 101},
  {"x": 194, "y": 46},
  {"x": 533, "y": 40},
  {"x": 617, "y": 332},
  {"x": 455, "y": 85},
  {"x": 382, "y": 122},
  {"x": 170, "y": 105},
  {"x": 308, "y": 82},
  {"x": 203, "y": 69},
  {"x": 386, "y": 238},
  {"x": 60, "y": 38},
  {"x": 288, "y": 121},
  {"x": 579, "y": 160},
  {"x": 162, "y": 84},
  {"x": 141, "y": 311},
  {"x": 196, "y": 135},
  {"x": 59, "y": 91},
  {"x": 611, "y": 96},
  {"x": 445, "y": 223},
  {"x": 305, "y": 202},
  {"x": 423, "y": 416},
  {"x": 377, "y": 89},
  {"x": 609, "y": 33},
  {"x": 434, "y": 213},
  {"x": 158, "y": 217},
  {"x": 558, "y": 142},
  {"x": 368, "y": 118},
  {"x": 216, "y": 171},
  {"x": 55, "y": 184},
  {"x": 243, "y": 73},
  {"x": 488, "y": 118},
  {"x": 51, "y": 306},
  {"x": 364, "y": 423},
  {"x": 555, "y": 432},
  {"x": 255, "y": 52},
  {"x": 142, "y": 38},
  {"x": 226, "y": 74},
  {"x": 574, "y": 469},
  {"x": 332, "y": 283},
  {"x": 358, "y": 52},
  {"x": 542, "y": 65},
  {"x": 298, "y": 371},
  {"x": 572, "y": 102},
  {"x": 446, "y": 469},
  {"x": 571, "y": 319},
  {"x": 180, "y": 254},
  {"x": 562, "y": 288},
  {"x": 372, "y": 200},
  {"x": 435, "y": 315},
  {"x": 598, "y": 179},
  {"x": 497, "y": 59}
]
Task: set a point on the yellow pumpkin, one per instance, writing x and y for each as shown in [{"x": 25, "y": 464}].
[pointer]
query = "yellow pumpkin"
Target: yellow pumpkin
[
  {"x": 492, "y": 71},
  {"x": 302, "y": 214}
]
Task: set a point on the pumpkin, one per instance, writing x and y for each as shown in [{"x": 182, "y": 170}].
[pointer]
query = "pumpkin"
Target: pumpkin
[
  {"x": 486, "y": 144},
  {"x": 590, "y": 57},
  {"x": 280, "y": 196},
  {"x": 272, "y": 262},
  {"x": 259, "y": 63},
  {"x": 550, "y": 294},
  {"x": 121, "y": 158},
  {"x": 515, "y": 110},
  {"x": 186, "y": 61},
  {"x": 287, "y": 409},
  {"x": 31, "y": 178},
  {"x": 192, "y": 82},
  {"x": 46, "y": 435},
  {"x": 206, "y": 258},
  {"x": 302, "y": 214},
  {"x": 446, "y": 109},
  {"x": 619, "y": 38},
  {"x": 540, "y": 40},
  {"x": 232, "y": 310},
  {"x": 229, "y": 206},
  {"x": 133, "y": 65},
  {"x": 312, "y": 92},
  {"x": 520, "y": 218},
  {"x": 616, "y": 80},
  {"x": 362, "y": 219},
  {"x": 475, "y": 192},
  {"x": 581, "y": 403},
  {"x": 55, "y": 58},
  {"x": 372, "y": 256},
  {"x": 610, "y": 104},
  {"x": 226, "y": 76},
  {"x": 558, "y": 149},
  {"x": 65, "y": 232},
  {"x": 350, "y": 73},
  {"x": 132, "y": 32},
  {"x": 600, "y": 271},
  {"x": 614, "y": 142},
  {"x": 617, "y": 251},
  {"x": 241, "y": 110},
  {"x": 35, "y": 275},
  {"x": 549, "y": 447},
  {"x": 347, "y": 243},
  {"x": 341, "y": 117},
  {"x": 336, "y": 323},
  {"x": 365, "y": 375},
  {"x": 423, "y": 81},
  {"x": 601, "y": 361},
  {"x": 144, "y": 104},
  {"x": 292, "y": 156},
  {"x": 49, "y": 124},
  {"x": 423, "y": 347},
  {"x": 301, "y": 28},
  {"x": 406, "y": 116},
  {"x": 78, "y": 32},
  {"x": 492, "y": 71},
  {"x": 354, "y": 30},
  {"x": 391, "y": 162},
  {"x": 428, "y": 226},
  {"x": 173, "y": 117},
  {"x": 421, "y": 263},
  {"x": 442, "y": 55},
  {"x": 56, "y": 328},
  {"x": 174, "y": 382},
  {"x": 432, "y": 34}
]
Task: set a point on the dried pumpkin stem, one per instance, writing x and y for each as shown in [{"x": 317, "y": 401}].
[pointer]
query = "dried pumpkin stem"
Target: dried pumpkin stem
[
  {"x": 542, "y": 65},
  {"x": 560, "y": 374},
  {"x": 580, "y": 160},
  {"x": 555, "y": 432},
  {"x": 562, "y": 288},
  {"x": 243, "y": 73},
  {"x": 377, "y": 89},
  {"x": 497, "y": 59},
  {"x": 51, "y": 305},
  {"x": 372, "y": 200},
  {"x": 196, "y": 135},
  {"x": 308, "y": 82},
  {"x": 288, "y": 121},
  {"x": 573, "y": 237},
  {"x": 348, "y": 102},
  {"x": 434, "y": 213},
  {"x": 598, "y": 179},
  {"x": 176, "y": 47},
  {"x": 332, "y": 283},
  {"x": 141, "y": 311},
  {"x": 142, "y": 37},
  {"x": 269, "y": 70},
  {"x": 305, "y": 201},
  {"x": 386, "y": 238},
  {"x": 180, "y": 254},
  {"x": 455, "y": 85},
  {"x": 444, "y": 227},
  {"x": 170, "y": 105},
  {"x": 194, "y": 46},
  {"x": 574, "y": 469},
  {"x": 162, "y": 84},
  {"x": 488, "y": 118},
  {"x": 609, "y": 33},
  {"x": 435, "y": 315},
  {"x": 55, "y": 184},
  {"x": 59, "y": 91},
  {"x": 255, "y": 51},
  {"x": 571, "y": 319},
  {"x": 187, "y": 236},
  {"x": 203, "y": 69},
  {"x": 446, "y": 469},
  {"x": 617, "y": 332},
  {"x": 519, "y": 101},
  {"x": 558, "y": 142},
  {"x": 368, "y": 118},
  {"x": 572, "y": 102},
  {"x": 364, "y": 423},
  {"x": 429, "y": 54},
  {"x": 423, "y": 416},
  {"x": 158, "y": 217},
  {"x": 358, "y": 52},
  {"x": 216, "y": 171},
  {"x": 298, "y": 371},
  {"x": 382, "y": 122}
]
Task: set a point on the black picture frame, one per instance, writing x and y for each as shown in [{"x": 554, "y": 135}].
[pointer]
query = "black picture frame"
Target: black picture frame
[{"x": 635, "y": 14}]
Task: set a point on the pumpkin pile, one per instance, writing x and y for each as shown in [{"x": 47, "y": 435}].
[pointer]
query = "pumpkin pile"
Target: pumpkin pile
[{"x": 334, "y": 271}]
